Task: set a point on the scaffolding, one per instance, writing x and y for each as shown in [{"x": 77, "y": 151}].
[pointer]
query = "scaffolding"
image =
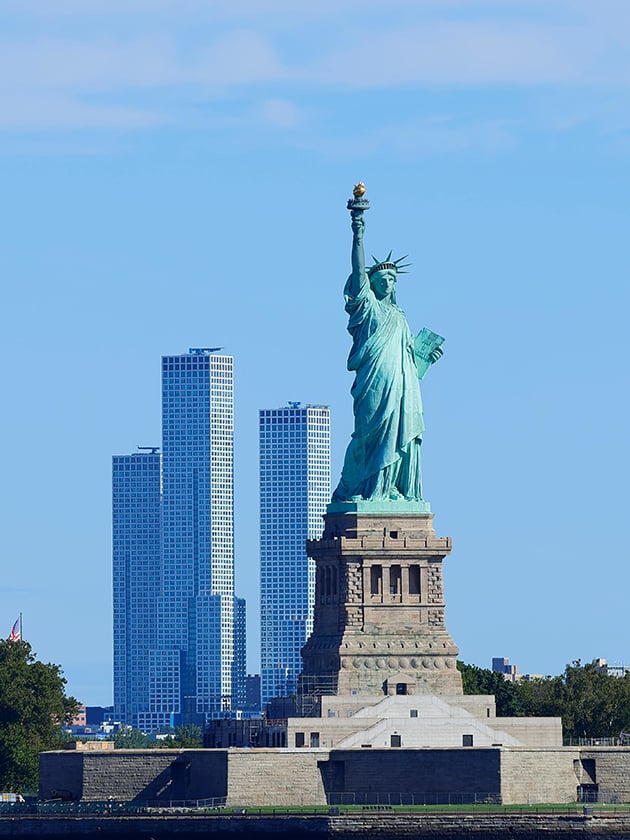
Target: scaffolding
[{"x": 311, "y": 689}]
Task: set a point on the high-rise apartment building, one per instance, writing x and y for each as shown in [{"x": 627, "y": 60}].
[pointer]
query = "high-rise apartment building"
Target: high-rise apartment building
[
  {"x": 136, "y": 507},
  {"x": 191, "y": 667},
  {"x": 294, "y": 492},
  {"x": 239, "y": 684},
  {"x": 195, "y": 655}
]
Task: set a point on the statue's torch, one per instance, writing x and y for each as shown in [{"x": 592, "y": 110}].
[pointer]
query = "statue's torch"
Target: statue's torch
[{"x": 358, "y": 204}]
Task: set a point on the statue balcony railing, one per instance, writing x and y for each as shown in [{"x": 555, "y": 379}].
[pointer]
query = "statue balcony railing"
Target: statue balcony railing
[{"x": 350, "y": 544}]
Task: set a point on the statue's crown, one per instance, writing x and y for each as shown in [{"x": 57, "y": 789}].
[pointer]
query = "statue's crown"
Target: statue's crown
[{"x": 388, "y": 264}]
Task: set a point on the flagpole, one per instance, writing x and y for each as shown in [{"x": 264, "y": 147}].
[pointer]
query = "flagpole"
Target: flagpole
[{"x": 21, "y": 633}]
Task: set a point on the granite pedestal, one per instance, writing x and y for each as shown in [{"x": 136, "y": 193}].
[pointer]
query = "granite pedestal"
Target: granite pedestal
[{"x": 379, "y": 625}]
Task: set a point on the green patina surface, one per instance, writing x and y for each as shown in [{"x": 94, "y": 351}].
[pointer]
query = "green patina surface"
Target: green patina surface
[{"x": 382, "y": 470}]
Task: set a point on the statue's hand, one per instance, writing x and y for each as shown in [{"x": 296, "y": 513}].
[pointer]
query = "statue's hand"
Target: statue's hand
[
  {"x": 436, "y": 354},
  {"x": 358, "y": 224}
]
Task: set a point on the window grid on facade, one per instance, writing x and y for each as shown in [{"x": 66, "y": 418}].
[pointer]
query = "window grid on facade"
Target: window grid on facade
[
  {"x": 136, "y": 483},
  {"x": 190, "y": 663},
  {"x": 294, "y": 492}
]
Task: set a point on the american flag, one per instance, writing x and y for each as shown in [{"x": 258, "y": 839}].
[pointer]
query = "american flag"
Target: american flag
[{"x": 16, "y": 632}]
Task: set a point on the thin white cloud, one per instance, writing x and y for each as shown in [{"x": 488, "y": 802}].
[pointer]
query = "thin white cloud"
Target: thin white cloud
[
  {"x": 92, "y": 65},
  {"x": 65, "y": 77},
  {"x": 461, "y": 53},
  {"x": 57, "y": 82},
  {"x": 97, "y": 65},
  {"x": 53, "y": 111},
  {"x": 219, "y": 9},
  {"x": 416, "y": 138},
  {"x": 279, "y": 112},
  {"x": 239, "y": 57}
]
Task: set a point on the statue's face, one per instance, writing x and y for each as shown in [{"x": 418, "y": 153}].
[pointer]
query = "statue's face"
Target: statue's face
[{"x": 383, "y": 283}]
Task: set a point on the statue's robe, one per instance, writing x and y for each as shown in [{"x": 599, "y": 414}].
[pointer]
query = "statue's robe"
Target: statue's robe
[{"x": 383, "y": 458}]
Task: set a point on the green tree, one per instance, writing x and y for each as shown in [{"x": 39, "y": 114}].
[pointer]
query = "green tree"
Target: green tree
[
  {"x": 128, "y": 738},
  {"x": 543, "y": 697},
  {"x": 598, "y": 704},
  {"x": 591, "y": 703},
  {"x": 33, "y": 709},
  {"x": 188, "y": 736},
  {"x": 477, "y": 680}
]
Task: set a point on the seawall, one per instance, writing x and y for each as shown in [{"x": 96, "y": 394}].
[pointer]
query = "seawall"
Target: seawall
[{"x": 385, "y": 826}]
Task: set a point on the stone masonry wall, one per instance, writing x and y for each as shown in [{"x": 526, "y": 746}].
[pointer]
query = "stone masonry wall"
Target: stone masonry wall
[
  {"x": 532, "y": 731},
  {"x": 134, "y": 775},
  {"x": 354, "y": 826},
  {"x": 612, "y": 770},
  {"x": 280, "y": 777},
  {"x": 131, "y": 774},
  {"x": 275, "y": 777},
  {"x": 61, "y": 775},
  {"x": 538, "y": 775},
  {"x": 417, "y": 772},
  {"x": 479, "y": 826}
]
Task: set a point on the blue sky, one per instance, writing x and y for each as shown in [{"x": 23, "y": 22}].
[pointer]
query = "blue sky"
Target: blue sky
[{"x": 175, "y": 174}]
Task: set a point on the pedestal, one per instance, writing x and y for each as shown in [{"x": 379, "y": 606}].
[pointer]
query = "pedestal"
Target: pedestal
[{"x": 379, "y": 623}]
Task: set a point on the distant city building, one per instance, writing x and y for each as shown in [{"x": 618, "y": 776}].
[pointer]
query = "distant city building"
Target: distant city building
[
  {"x": 92, "y": 723},
  {"x": 612, "y": 670},
  {"x": 294, "y": 492},
  {"x": 281, "y": 708},
  {"x": 252, "y": 692},
  {"x": 80, "y": 719},
  {"x": 95, "y": 715},
  {"x": 501, "y": 665},
  {"x": 136, "y": 579},
  {"x": 239, "y": 684},
  {"x": 179, "y": 633},
  {"x": 193, "y": 665}
]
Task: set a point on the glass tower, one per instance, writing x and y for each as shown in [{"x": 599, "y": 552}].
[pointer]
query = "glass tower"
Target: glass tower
[
  {"x": 193, "y": 664},
  {"x": 294, "y": 492},
  {"x": 239, "y": 688},
  {"x": 136, "y": 580},
  {"x": 179, "y": 632}
]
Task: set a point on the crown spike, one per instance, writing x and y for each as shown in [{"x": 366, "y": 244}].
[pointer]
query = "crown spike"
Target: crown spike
[{"x": 388, "y": 264}]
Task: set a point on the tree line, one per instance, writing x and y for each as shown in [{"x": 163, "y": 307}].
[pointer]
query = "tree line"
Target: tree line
[
  {"x": 591, "y": 703},
  {"x": 33, "y": 709}
]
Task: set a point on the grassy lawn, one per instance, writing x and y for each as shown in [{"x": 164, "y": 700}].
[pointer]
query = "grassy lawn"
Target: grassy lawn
[{"x": 480, "y": 808}]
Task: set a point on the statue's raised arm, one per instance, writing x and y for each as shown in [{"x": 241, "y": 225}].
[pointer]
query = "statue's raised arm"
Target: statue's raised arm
[
  {"x": 382, "y": 463},
  {"x": 357, "y": 206}
]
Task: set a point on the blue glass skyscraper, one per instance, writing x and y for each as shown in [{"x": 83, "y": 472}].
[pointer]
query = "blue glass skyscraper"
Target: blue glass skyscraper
[
  {"x": 187, "y": 655},
  {"x": 136, "y": 580},
  {"x": 194, "y": 660},
  {"x": 294, "y": 492},
  {"x": 239, "y": 684}
]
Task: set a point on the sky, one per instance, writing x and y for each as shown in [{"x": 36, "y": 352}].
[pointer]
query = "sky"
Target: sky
[{"x": 175, "y": 175}]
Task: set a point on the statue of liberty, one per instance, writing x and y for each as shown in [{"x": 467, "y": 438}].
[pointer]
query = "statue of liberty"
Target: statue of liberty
[{"x": 382, "y": 462}]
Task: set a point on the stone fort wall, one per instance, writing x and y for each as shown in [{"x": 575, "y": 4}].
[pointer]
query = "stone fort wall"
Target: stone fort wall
[{"x": 312, "y": 776}]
